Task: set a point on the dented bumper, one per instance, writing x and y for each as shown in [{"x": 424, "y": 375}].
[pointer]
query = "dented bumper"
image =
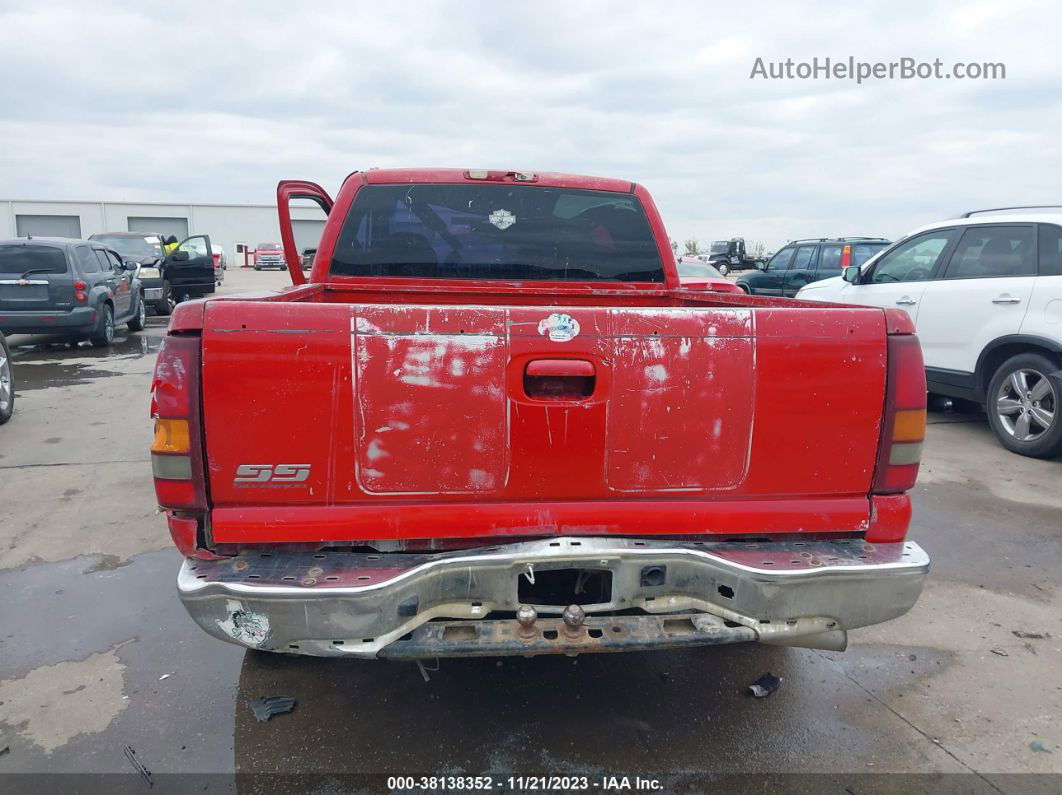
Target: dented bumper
[{"x": 662, "y": 594}]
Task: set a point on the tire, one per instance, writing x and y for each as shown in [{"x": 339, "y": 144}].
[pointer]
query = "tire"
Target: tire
[
  {"x": 7, "y": 383},
  {"x": 103, "y": 334},
  {"x": 1029, "y": 424},
  {"x": 140, "y": 319},
  {"x": 258, "y": 267},
  {"x": 165, "y": 306},
  {"x": 723, "y": 268}
]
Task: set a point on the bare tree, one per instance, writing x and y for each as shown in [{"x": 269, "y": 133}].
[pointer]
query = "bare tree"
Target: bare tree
[
  {"x": 692, "y": 246},
  {"x": 674, "y": 244},
  {"x": 757, "y": 249}
]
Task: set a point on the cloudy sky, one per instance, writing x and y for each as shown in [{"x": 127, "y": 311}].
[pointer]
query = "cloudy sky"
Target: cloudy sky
[{"x": 200, "y": 102}]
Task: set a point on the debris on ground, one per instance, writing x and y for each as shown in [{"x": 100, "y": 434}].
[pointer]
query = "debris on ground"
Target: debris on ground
[
  {"x": 266, "y": 707},
  {"x": 1000, "y": 652},
  {"x": 166, "y": 676},
  {"x": 765, "y": 685},
  {"x": 130, "y": 755},
  {"x": 1020, "y": 633},
  {"x": 1039, "y": 747}
]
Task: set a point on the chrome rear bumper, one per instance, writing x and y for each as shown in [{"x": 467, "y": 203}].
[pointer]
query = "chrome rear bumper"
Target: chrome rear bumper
[{"x": 406, "y": 605}]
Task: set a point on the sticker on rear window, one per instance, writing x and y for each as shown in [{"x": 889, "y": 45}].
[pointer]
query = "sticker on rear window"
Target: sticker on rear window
[
  {"x": 559, "y": 328},
  {"x": 502, "y": 219}
]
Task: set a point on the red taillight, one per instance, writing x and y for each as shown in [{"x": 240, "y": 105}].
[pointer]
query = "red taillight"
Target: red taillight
[
  {"x": 217, "y": 260},
  {"x": 904, "y": 422},
  {"x": 176, "y": 453},
  {"x": 184, "y": 533},
  {"x": 79, "y": 285},
  {"x": 80, "y": 297},
  {"x": 846, "y": 256}
]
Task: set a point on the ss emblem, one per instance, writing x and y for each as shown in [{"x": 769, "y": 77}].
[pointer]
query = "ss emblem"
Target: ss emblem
[{"x": 271, "y": 473}]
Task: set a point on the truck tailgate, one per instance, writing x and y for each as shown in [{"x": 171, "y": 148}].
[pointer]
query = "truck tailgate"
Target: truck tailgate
[{"x": 345, "y": 422}]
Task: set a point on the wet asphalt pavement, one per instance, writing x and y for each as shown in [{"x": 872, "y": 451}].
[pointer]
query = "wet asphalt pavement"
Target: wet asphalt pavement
[{"x": 96, "y": 652}]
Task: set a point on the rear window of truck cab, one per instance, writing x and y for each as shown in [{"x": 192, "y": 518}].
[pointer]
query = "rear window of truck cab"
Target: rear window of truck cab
[
  {"x": 506, "y": 232},
  {"x": 19, "y": 259}
]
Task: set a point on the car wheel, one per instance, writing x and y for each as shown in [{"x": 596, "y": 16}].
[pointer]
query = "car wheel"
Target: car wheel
[
  {"x": 1024, "y": 406},
  {"x": 138, "y": 322},
  {"x": 258, "y": 267},
  {"x": 166, "y": 305},
  {"x": 724, "y": 269},
  {"x": 7, "y": 383},
  {"x": 103, "y": 335}
]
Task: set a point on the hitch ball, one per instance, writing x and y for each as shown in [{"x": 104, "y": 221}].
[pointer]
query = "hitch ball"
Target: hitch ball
[
  {"x": 526, "y": 616},
  {"x": 573, "y": 616}
]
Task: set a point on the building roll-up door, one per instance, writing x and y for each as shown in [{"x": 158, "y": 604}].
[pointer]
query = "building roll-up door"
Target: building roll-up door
[
  {"x": 178, "y": 227},
  {"x": 307, "y": 233},
  {"x": 48, "y": 226}
]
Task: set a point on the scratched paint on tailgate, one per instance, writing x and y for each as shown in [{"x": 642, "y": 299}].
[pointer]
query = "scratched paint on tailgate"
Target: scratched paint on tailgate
[
  {"x": 681, "y": 410},
  {"x": 430, "y": 399}
]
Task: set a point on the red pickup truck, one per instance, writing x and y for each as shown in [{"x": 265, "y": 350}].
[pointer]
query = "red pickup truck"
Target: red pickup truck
[{"x": 494, "y": 422}]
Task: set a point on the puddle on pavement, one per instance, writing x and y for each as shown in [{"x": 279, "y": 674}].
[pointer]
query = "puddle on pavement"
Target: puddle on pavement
[
  {"x": 49, "y": 349},
  {"x": 55, "y": 362}
]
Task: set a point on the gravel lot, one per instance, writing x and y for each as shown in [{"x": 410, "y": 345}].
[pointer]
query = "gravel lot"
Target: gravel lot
[{"x": 97, "y": 653}]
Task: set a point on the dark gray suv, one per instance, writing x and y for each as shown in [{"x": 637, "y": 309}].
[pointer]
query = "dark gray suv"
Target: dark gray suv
[{"x": 75, "y": 288}]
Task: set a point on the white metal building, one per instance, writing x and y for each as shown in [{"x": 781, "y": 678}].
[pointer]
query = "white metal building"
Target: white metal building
[{"x": 229, "y": 225}]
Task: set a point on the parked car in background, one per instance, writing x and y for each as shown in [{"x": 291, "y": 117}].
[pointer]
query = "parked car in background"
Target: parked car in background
[
  {"x": 985, "y": 292},
  {"x": 695, "y": 274},
  {"x": 219, "y": 264},
  {"x": 801, "y": 262},
  {"x": 76, "y": 288},
  {"x": 7, "y": 382},
  {"x": 166, "y": 278},
  {"x": 730, "y": 255},
  {"x": 269, "y": 255},
  {"x": 307, "y": 258},
  {"x": 147, "y": 250}
]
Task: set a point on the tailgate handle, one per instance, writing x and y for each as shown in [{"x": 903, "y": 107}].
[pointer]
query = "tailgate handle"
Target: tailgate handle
[
  {"x": 559, "y": 379},
  {"x": 572, "y": 368}
]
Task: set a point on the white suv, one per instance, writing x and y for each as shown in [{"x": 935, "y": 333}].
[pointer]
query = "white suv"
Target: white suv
[{"x": 985, "y": 292}]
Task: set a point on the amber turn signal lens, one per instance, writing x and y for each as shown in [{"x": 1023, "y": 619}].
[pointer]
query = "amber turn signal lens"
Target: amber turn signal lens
[
  {"x": 171, "y": 436},
  {"x": 909, "y": 425}
]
